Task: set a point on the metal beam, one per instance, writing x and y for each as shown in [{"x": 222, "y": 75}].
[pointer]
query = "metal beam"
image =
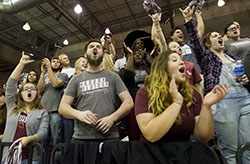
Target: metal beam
[
  {"x": 130, "y": 10},
  {"x": 19, "y": 46},
  {"x": 70, "y": 18},
  {"x": 61, "y": 24},
  {"x": 91, "y": 14}
]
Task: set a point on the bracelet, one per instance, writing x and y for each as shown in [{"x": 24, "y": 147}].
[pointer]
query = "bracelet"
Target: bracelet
[
  {"x": 178, "y": 103},
  {"x": 158, "y": 30}
]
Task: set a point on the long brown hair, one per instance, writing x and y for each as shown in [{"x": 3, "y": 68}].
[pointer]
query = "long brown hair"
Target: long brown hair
[
  {"x": 20, "y": 103},
  {"x": 3, "y": 109},
  {"x": 157, "y": 84}
]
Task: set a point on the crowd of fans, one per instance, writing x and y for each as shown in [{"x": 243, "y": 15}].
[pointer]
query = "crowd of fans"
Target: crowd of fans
[{"x": 157, "y": 92}]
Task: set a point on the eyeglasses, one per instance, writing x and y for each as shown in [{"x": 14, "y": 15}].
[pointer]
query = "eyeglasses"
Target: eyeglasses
[
  {"x": 234, "y": 28},
  {"x": 32, "y": 89}
]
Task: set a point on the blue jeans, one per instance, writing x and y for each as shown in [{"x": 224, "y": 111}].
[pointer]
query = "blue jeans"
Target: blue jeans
[
  {"x": 26, "y": 162},
  {"x": 68, "y": 125},
  {"x": 232, "y": 124},
  {"x": 54, "y": 127}
]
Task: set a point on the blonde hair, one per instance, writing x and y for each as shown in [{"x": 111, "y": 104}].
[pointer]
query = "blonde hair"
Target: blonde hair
[
  {"x": 78, "y": 62},
  {"x": 61, "y": 56},
  {"x": 108, "y": 63},
  {"x": 157, "y": 84},
  {"x": 20, "y": 103}
]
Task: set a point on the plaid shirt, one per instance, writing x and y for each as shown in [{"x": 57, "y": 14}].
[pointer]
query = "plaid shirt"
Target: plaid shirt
[{"x": 210, "y": 63}]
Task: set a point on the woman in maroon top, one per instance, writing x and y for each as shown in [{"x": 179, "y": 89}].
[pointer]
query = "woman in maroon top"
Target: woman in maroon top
[{"x": 168, "y": 108}]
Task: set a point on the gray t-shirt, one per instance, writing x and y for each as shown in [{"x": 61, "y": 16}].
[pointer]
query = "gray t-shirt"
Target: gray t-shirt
[
  {"x": 95, "y": 91},
  {"x": 240, "y": 48},
  {"x": 188, "y": 55},
  {"x": 52, "y": 96}
]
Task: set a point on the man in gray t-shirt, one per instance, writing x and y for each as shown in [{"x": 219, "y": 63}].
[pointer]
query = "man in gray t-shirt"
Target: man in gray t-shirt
[
  {"x": 51, "y": 84},
  {"x": 95, "y": 90},
  {"x": 238, "y": 46}
]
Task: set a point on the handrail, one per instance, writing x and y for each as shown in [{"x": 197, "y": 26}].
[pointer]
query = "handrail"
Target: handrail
[{"x": 32, "y": 145}]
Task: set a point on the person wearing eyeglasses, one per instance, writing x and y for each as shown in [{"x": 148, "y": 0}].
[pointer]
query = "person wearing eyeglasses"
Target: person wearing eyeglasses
[
  {"x": 232, "y": 114},
  {"x": 27, "y": 120},
  {"x": 237, "y": 45}
]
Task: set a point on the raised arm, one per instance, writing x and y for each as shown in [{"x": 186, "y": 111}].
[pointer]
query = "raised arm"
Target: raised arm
[
  {"x": 200, "y": 23},
  {"x": 25, "y": 59},
  {"x": 40, "y": 84},
  {"x": 156, "y": 32},
  {"x": 130, "y": 62},
  {"x": 199, "y": 49},
  {"x": 11, "y": 87},
  {"x": 107, "y": 43},
  {"x": 56, "y": 83}
]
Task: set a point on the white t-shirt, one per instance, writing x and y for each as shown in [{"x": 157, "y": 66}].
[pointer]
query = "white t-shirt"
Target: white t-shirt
[
  {"x": 69, "y": 71},
  {"x": 120, "y": 63}
]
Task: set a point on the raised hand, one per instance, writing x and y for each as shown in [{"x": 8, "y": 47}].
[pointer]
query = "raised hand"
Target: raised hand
[
  {"x": 25, "y": 59},
  {"x": 108, "y": 39},
  {"x": 215, "y": 95},
  {"x": 88, "y": 117},
  {"x": 46, "y": 62},
  {"x": 187, "y": 13},
  {"x": 44, "y": 68},
  {"x": 155, "y": 17},
  {"x": 104, "y": 124},
  {"x": 173, "y": 90}
]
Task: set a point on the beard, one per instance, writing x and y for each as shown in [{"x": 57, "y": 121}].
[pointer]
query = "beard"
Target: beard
[
  {"x": 55, "y": 69},
  {"x": 94, "y": 62}
]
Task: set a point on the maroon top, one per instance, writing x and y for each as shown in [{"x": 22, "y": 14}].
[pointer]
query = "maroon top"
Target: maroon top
[
  {"x": 192, "y": 73},
  {"x": 21, "y": 132},
  {"x": 176, "y": 133}
]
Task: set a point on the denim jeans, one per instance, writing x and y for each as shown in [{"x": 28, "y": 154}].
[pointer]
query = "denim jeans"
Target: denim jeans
[
  {"x": 26, "y": 162},
  {"x": 232, "y": 124},
  {"x": 68, "y": 125},
  {"x": 54, "y": 127}
]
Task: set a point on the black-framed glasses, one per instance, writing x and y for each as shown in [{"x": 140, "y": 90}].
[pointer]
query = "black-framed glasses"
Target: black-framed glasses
[{"x": 234, "y": 28}]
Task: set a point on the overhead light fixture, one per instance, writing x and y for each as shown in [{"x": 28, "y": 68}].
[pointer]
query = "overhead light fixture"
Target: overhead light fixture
[
  {"x": 66, "y": 42},
  {"x": 221, "y": 3},
  {"x": 78, "y": 9},
  {"x": 26, "y": 26},
  {"x": 107, "y": 31}
]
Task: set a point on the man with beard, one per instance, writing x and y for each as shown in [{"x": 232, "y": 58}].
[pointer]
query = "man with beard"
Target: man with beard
[
  {"x": 50, "y": 84},
  {"x": 95, "y": 90}
]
